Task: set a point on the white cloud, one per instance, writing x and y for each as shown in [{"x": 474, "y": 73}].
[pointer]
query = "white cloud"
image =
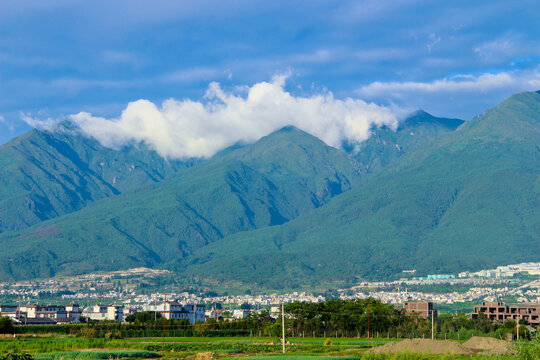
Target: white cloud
[
  {"x": 121, "y": 58},
  {"x": 39, "y": 123},
  {"x": 434, "y": 39},
  {"x": 186, "y": 128},
  {"x": 7, "y": 124},
  {"x": 462, "y": 96},
  {"x": 507, "y": 47},
  {"x": 194, "y": 75},
  {"x": 514, "y": 81}
]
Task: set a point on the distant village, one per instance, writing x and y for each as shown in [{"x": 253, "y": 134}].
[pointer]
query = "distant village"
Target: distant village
[{"x": 484, "y": 288}]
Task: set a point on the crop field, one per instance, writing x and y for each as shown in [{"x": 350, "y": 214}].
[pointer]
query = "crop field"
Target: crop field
[{"x": 231, "y": 348}]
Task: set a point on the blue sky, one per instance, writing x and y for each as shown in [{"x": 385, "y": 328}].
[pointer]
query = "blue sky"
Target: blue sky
[{"x": 456, "y": 59}]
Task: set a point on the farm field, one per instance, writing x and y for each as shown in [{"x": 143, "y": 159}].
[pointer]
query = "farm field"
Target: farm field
[{"x": 246, "y": 348}]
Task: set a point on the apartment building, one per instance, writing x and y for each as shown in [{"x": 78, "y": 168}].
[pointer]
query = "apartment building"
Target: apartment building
[
  {"x": 422, "y": 308},
  {"x": 500, "y": 312},
  {"x": 9, "y": 311},
  {"x": 41, "y": 314},
  {"x": 177, "y": 311},
  {"x": 105, "y": 312}
]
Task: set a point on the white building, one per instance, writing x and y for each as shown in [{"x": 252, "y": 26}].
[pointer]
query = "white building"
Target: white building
[
  {"x": 56, "y": 312},
  {"x": 211, "y": 313},
  {"x": 241, "y": 313},
  {"x": 105, "y": 312},
  {"x": 31, "y": 313},
  {"x": 177, "y": 311},
  {"x": 275, "y": 311},
  {"x": 11, "y": 311}
]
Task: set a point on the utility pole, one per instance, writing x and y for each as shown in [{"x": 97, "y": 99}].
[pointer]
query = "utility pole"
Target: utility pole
[
  {"x": 283, "y": 325},
  {"x": 432, "y": 324},
  {"x": 163, "y": 343},
  {"x": 517, "y": 329},
  {"x": 368, "y": 334}
]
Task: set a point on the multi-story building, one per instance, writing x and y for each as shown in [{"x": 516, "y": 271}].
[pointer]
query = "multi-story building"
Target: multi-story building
[
  {"x": 241, "y": 313},
  {"x": 74, "y": 312},
  {"x": 9, "y": 310},
  {"x": 422, "y": 308},
  {"x": 167, "y": 309},
  {"x": 40, "y": 314},
  {"x": 500, "y": 312},
  {"x": 275, "y": 311},
  {"x": 105, "y": 312},
  {"x": 195, "y": 312},
  {"x": 212, "y": 313},
  {"x": 55, "y": 312},
  {"x": 177, "y": 311}
]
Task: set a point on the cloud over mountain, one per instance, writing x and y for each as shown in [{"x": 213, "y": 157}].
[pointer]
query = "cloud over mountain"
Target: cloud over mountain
[{"x": 186, "y": 128}]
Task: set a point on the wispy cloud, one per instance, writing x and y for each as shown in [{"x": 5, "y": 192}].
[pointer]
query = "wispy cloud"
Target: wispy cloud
[
  {"x": 453, "y": 96},
  {"x": 434, "y": 39},
  {"x": 517, "y": 80},
  {"x": 194, "y": 75},
  {"x": 7, "y": 124},
  {"x": 121, "y": 58},
  {"x": 509, "y": 46},
  {"x": 39, "y": 121},
  {"x": 187, "y": 128},
  {"x": 27, "y": 61}
]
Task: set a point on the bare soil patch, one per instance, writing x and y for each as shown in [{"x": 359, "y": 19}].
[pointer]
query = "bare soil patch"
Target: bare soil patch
[
  {"x": 490, "y": 346},
  {"x": 203, "y": 356},
  {"x": 423, "y": 346}
]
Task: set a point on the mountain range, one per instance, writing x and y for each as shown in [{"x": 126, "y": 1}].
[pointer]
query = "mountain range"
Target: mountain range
[{"x": 435, "y": 195}]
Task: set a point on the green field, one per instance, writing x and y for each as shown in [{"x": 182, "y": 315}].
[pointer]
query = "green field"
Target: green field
[{"x": 198, "y": 348}]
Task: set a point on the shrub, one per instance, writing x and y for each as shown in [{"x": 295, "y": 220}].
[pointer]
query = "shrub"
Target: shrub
[
  {"x": 98, "y": 355},
  {"x": 113, "y": 335},
  {"x": 16, "y": 357},
  {"x": 89, "y": 332},
  {"x": 6, "y": 325}
]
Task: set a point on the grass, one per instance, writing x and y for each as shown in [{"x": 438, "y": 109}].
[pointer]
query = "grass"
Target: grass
[
  {"x": 97, "y": 355},
  {"x": 53, "y": 344},
  {"x": 68, "y": 348},
  {"x": 405, "y": 356}
]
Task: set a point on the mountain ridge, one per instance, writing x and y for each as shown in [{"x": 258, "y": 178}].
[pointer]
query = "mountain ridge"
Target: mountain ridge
[
  {"x": 45, "y": 174},
  {"x": 246, "y": 188},
  {"x": 292, "y": 207},
  {"x": 438, "y": 210}
]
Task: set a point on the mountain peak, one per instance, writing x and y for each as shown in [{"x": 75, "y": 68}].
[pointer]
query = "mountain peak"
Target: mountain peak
[
  {"x": 288, "y": 128},
  {"x": 422, "y": 117},
  {"x": 288, "y": 133},
  {"x": 515, "y": 117},
  {"x": 526, "y": 97}
]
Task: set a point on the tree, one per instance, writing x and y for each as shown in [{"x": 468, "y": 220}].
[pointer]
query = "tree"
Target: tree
[
  {"x": 6, "y": 325},
  {"x": 143, "y": 317},
  {"x": 273, "y": 330},
  {"x": 529, "y": 350},
  {"x": 89, "y": 332},
  {"x": 200, "y": 329}
]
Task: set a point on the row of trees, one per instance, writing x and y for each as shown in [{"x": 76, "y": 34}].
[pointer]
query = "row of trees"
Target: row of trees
[
  {"x": 332, "y": 318},
  {"x": 372, "y": 318}
]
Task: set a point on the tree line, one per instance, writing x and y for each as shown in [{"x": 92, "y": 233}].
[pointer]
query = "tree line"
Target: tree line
[{"x": 331, "y": 318}]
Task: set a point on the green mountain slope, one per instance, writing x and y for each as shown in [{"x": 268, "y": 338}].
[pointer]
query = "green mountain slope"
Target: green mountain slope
[
  {"x": 386, "y": 145},
  {"x": 45, "y": 174},
  {"x": 467, "y": 201},
  {"x": 267, "y": 183}
]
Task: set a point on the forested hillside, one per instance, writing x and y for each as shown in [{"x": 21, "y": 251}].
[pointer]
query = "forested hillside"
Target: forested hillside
[
  {"x": 470, "y": 200},
  {"x": 434, "y": 195}
]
